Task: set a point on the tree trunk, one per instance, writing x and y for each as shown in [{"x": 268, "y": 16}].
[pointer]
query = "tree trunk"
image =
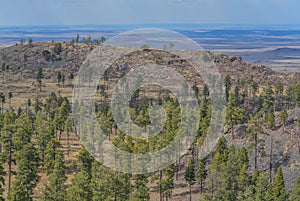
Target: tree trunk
[
  {"x": 9, "y": 170},
  {"x": 271, "y": 160},
  {"x": 190, "y": 192},
  {"x": 255, "y": 151},
  {"x": 160, "y": 190},
  {"x": 232, "y": 132},
  {"x": 201, "y": 187},
  {"x": 68, "y": 143},
  {"x": 176, "y": 170}
]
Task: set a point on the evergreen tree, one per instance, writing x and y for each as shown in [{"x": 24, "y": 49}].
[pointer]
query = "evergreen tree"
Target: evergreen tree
[
  {"x": 202, "y": 173},
  {"x": 278, "y": 94},
  {"x": 59, "y": 76},
  {"x": 77, "y": 39},
  {"x": 263, "y": 190},
  {"x": 55, "y": 188},
  {"x": 234, "y": 114},
  {"x": 2, "y": 181},
  {"x": 10, "y": 96},
  {"x": 229, "y": 187},
  {"x": 50, "y": 155},
  {"x": 253, "y": 131},
  {"x": 102, "y": 183},
  {"x": 283, "y": 117},
  {"x": 39, "y": 77},
  {"x": 8, "y": 149},
  {"x": 68, "y": 129},
  {"x": 80, "y": 189},
  {"x": 23, "y": 132},
  {"x": 190, "y": 176},
  {"x": 27, "y": 174},
  {"x": 141, "y": 191},
  {"x": 227, "y": 83},
  {"x": 279, "y": 188},
  {"x": 295, "y": 195},
  {"x": 2, "y": 98}
]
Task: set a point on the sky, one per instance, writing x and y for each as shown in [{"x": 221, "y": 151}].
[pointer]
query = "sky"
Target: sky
[{"x": 74, "y": 12}]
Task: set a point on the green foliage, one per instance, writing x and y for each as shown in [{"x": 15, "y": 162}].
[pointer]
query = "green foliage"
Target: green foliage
[
  {"x": 283, "y": 116},
  {"x": 263, "y": 189},
  {"x": 80, "y": 189},
  {"x": 27, "y": 174},
  {"x": 23, "y": 133},
  {"x": 279, "y": 188},
  {"x": 234, "y": 114},
  {"x": 202, "y": 173},
  {"x": 295, "y": 195},
  {"x": 190, "y": 175},
  {"x": 57, "y": 48},
  {"x": 77, "y": 38},
  {"x": 39, "y": 77},
  {"x": 227, "y": 84},
  {"x": 50, "y": 155},
  {"x": 55, "y": 188},
  {"x": 140, "y": 189},
  {"x": 30, "y": 41},
  {"x": 2, "y": 180}
]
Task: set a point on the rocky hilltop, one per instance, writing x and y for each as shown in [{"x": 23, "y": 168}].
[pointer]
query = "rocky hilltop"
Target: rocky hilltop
[{"x": 69, "y": 57}]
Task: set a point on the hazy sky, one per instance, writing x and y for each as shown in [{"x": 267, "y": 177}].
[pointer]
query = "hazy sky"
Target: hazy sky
[{"x": 56, "y": 12}]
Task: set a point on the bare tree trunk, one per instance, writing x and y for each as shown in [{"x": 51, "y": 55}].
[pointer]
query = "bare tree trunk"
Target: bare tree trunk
[
  {"x": 271, "y": 159},
  {"x": 190, "y": 192},
  {"x": 232, "y": 132},
  {"x": 255, "y": 151},
  {"x": 9, "y": 170},
  {"x": 68, "y": 143},
  {"x": 160, "y": 190}
]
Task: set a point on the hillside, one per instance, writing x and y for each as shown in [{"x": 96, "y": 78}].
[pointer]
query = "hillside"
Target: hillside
[{"x": 20, "y": 64}]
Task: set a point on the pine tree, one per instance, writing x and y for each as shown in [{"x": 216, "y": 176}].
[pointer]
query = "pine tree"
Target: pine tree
[
  {"x": 68, "y": 129},
  {"x": 190, "y": 176},
  {"x": 227, "y": 83},
  {"x": 167, "y": 182},
  {"x": 102, "y": 182},
  {"x": 59, "y": 76},
  {"x": 234, "y": 114},
  {"x": 55, "y": 188},
  {"x": 39, "y": 78},
  {"x": 8, "y": 150},
  {"x": 283, "y": 117},
  {"x": 10, "y": 96},
  {"x": 2, "y": 181},
  {"x": 279, "y": 188},
  {"x": 278, "y": 94},
  {"x": 50, "y": 155},
  {"x": 141, "y": 191},
  {"x": 243, "y": 179},
  {"x": 202, "y": 173},
  {"x": 44, "y": 133},
  {"x": 295, "y": 195},
  {"x": 27, "y": 174},
  {"x": 253, "y": 131},
  {"x": 2, "y": 98},
  {"x": 229, "y": 187},
  {"x": 263, "y": 190},
  {"x": 80, "y": 189},
  {"x": 23, "y": 132}
]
